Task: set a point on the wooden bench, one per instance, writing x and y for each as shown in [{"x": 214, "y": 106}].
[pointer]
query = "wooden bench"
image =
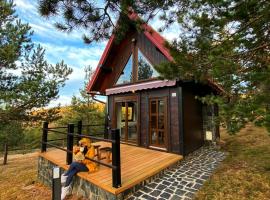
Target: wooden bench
[{"x": 108, "y": 153}]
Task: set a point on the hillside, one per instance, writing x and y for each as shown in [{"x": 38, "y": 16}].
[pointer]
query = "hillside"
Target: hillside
[{"x": 245, "y": 173}]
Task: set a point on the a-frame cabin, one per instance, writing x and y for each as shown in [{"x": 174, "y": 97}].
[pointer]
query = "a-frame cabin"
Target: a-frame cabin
[{"x": 151, "y": 113}]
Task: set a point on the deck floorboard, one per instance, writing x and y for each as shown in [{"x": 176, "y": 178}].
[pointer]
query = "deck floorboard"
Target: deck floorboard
[{"x": 137, "y": 164}]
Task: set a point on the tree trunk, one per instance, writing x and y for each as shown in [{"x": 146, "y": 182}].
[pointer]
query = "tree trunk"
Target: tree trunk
[{"x": 5, "y": 153}]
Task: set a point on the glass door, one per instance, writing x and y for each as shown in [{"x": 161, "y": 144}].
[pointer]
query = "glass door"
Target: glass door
[
  {"x": 126, "y": 118},
  {"x": 158, "y": 122}
]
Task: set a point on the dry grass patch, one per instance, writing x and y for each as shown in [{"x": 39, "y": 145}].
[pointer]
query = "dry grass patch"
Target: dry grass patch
[
  {"x": 18, "y": 179},
  {"x": 245, "y": 173}
]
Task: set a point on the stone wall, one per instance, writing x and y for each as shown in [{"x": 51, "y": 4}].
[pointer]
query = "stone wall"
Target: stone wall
[{"x": 83, "y": 188}]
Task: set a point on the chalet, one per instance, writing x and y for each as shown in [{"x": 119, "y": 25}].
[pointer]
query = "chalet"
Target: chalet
[
  {"x": 157, "y": 114},
  {"x": 163, "y": 116}
]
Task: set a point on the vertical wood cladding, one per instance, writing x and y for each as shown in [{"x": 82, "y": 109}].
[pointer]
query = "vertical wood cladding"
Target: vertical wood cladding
[
  {"x": 144, "y": 121},
  {"x": 174, "y": 120},
  {"x": 193, "y": 123},
  {"x": 172, "y": 116},
  {"x": 119, "y": 55},
  {"x": 110, "y": 111},
  {"x": 149, "y": 50}
]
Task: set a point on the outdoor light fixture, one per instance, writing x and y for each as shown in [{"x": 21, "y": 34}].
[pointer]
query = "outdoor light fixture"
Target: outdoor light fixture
[{"x": 56, "y": 172}]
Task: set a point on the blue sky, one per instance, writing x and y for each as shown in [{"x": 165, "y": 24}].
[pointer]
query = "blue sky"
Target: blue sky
[{"x": 68, "y": 47}]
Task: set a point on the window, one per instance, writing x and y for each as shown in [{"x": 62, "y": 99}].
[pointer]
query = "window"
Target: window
[
  {"x": 126, "y": 75},
  {"x": 145, "y": 69},
  {"x": 126, "y": 119}
]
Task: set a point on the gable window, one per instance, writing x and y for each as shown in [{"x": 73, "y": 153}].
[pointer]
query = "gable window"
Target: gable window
[
  {"x": 137, "y": 71},
  {"x": 126, "y": 75},
  {"x": 145, "y": 69}
]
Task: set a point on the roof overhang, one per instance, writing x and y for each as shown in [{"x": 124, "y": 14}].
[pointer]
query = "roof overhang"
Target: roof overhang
[{"x": 140, "y": 86}]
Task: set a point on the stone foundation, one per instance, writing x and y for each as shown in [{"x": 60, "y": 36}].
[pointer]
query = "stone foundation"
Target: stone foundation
[{"x": 83, "y": 188}]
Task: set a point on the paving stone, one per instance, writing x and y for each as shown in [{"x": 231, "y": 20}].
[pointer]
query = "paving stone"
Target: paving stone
[
  {"x": 184, "y": 180},
  {"x": 171, "y": 180},
  {"x": 152, "y": 185},
  {"x": 184, "y": 183},
  {"x": 146, "y": 190},
  {"x": 165, "y": 195},
  {"x": 155, "y": 193},
  {"x": 176, "y": 197},
  {"x": 197, "y": 186},
  {"x": 131, "y": 198},
  {"x": 189, "y": 194},
  {"x": 161, "y": 187},
  {"x": 190, "y": 189},
  {"x": 180, "y": 192},
  {"x": 169, "y": 191},
  {"x": 147, "y": 197},
  {"x": 138, "y": 194},
  {"x": 166, "y": 183},
  {"x": 190, "y": 185}
]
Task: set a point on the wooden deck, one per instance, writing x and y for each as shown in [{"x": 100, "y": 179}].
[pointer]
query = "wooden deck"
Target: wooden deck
[{"x": 137, "y": 164}]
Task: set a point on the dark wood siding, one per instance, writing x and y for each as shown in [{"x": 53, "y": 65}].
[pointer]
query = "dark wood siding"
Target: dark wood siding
[
  {"x": 149, "y": 50},
  {"x": 174, "y": 121},
  {"x": 110, "y": 111},
  {"x": 192, "y": 119},
  {"x": 144, "y": 107},
  {"x": 143, "y": 103}
]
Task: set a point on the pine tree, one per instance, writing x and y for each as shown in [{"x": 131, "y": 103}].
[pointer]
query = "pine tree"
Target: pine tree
[
  {"x": 27, "y": 81},
  {"x": 99, "y": 20},
  {"x": 84, "y": 108},
  {"x": 226, "y": 41}
]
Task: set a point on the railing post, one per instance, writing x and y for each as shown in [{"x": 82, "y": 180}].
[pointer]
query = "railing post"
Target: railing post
[
  {"x": 116, "y": 171},
  {"x": 79, "y": 131},
  {"x": 106, "y": 128},
  {"x": 44, "y": 136},
  {"x": 70, "y": 143}
]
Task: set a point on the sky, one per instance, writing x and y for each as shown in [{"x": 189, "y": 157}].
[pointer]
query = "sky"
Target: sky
[{"x": 68, "y": 47}]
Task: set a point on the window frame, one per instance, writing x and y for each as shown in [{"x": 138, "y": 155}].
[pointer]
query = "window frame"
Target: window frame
[{"x": 135, "y": 67}]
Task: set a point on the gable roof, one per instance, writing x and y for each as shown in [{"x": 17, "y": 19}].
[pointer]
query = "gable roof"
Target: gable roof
[
  {"x": 155, "y": 39},
  {"x": 149, "y": 32}
]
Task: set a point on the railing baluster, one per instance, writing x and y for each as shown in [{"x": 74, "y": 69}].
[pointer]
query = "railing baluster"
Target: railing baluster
[
  {"x": 70, "y": 137},
  {"x": 44, "y": 136},
  {"x": 79, "y": 128},
  {"x": 116, "y": 171}
]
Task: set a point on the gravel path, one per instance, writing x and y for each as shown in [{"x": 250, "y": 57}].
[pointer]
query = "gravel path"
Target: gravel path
[{"x": 184, "y": 180}]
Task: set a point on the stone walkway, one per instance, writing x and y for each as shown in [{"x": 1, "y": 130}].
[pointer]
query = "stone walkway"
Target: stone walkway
[{"x": 184, "y": 180}]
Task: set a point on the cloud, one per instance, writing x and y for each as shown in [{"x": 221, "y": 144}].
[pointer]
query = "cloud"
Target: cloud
[
  {"x": 76, "y": 57},
  {"x": 63, "y": 100},
  {"x": 28, "y": 12},
  {"x": 70, "y": 47},
  {"x": 24, "y": 5}
]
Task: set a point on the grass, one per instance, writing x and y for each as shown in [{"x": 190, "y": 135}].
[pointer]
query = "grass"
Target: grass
[
  {"x": 245, "y": 173},
  {"x": 18, "y": 179}
]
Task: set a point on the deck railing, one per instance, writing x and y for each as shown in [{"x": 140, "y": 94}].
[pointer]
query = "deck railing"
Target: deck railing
[{"x": 70, "y": 135}]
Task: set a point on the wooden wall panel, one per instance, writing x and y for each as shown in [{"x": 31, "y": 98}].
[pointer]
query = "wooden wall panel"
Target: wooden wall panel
[
  {"x": 144, "y": 121},
  {"x": 193, "y": 123},
  {"x": 174, "y": 121},
  {"x": 116, "y": 60},
  {"x": 149, "y": 50},
  {"x": 110, "y": 111},
  {"x": 172, "y": 118}
]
